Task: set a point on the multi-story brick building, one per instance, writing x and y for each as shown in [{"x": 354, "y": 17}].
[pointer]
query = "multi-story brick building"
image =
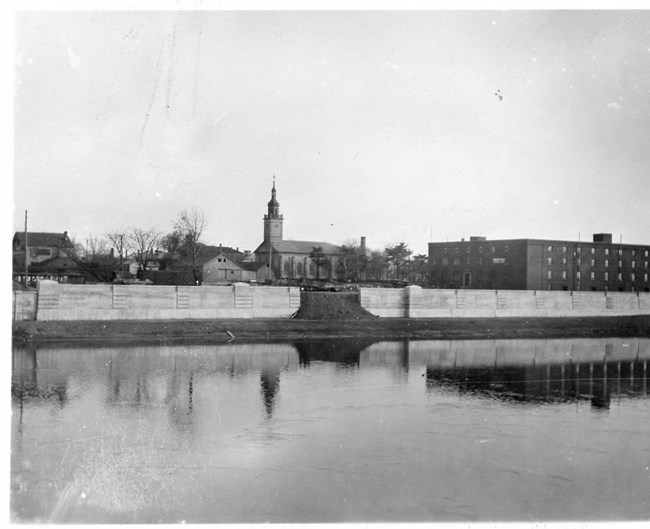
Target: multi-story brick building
[{"x": 534, "y": 264}]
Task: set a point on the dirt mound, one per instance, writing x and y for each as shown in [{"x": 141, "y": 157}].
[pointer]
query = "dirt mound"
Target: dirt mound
[{"x": 331, "y": 306}]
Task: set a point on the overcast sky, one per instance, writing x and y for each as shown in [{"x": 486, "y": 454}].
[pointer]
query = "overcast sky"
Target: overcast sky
[{"x": 403, "y": 126}]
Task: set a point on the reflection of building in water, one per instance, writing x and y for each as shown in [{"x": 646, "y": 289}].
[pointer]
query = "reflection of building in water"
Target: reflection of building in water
[
  {"x": 34, "y": 385},
  {"x": 538, "y": 370},
  {"x": 594, "y": 381},
  {"x": 270, "y": 383}
]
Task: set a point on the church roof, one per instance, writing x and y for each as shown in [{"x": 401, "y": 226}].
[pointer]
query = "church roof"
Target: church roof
[{"x": 301, "y": 247}]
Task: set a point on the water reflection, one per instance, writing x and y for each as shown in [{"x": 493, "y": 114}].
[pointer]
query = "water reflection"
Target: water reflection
[
  {"x": 270, "y": 382},
  {"x": 330, "y": 431},
  {"x": 554, "y": 372}
]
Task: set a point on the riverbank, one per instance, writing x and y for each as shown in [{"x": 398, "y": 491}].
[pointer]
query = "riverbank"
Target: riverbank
[{"x": 282, "y": 330}]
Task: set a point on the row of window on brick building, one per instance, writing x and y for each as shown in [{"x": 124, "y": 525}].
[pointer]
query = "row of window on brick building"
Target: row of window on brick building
[
  {"x": 565, "y": 249},
  {"x": 606, "y": 276},
  {"x": 549, "y": 260}
]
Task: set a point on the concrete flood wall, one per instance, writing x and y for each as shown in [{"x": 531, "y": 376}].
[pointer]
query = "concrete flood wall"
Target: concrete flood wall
[
  {"x": 24, "y": 305},
  {"x": 55, "y": 301},
  {"x": 415, "y": 302},
  {"x": 145, "y": 302}
]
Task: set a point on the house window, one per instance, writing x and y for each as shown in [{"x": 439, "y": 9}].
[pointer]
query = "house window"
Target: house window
[
  {"x": 287, "y": 268},
  {"x": 469, "y": 249},
  {"x": 633, "y": 253},
  {"x": 578, "y": 276},
  {"x": 593, "y": 276},
  {"x": 494, "y": 249},
  {"x": 549, "y": 249},
  {"x": 456, "y": 249},
  {"x": 479, "y": 275},
  {"x": 633, "y": 264},
  {"x": 480, "y": 249},
  {"x": 620, "y": 252},
  {"x": 593, "y": 262},
  {"x": 456, "y": 261},
  {"x": 550, "y": 261},
  {"x": 480, "y": 261},
  {"x": 507, "y": 248},
  {"x": 433, "y": 261},
  {"x": 445, "y": 261},
  {"x": 563, "y": 249},
  {"x": 620, "y": 264},
  {"x": 646, "y": 253},
  {"x": 632, "y": 276},
  {"x": 593, "y": 251},
  {"x": 299, "y": 269},
  {"x": 645, "y": 264},
  {"x": 645, "y": 278},
  {"x": 549, "y": 274},
  {"x": 620, "y": 276},
  {"x": 467, "y": 261},
  {"x": 578, "y": 249},
  {"x": 564, "y": 274},
  {"x": 606, "y": 251},
  {"x": 564, "y": 261},
  {"x": 606, "y": 262},
  {"x": 312, "y": 269},
  {"x": 444, "y": 250}
]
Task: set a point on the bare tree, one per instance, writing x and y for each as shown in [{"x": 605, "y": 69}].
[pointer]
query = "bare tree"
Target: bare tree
[
  {"x": 76, "y": 252},
  {"x": 95, "y": 247},
  {"x": 119, "y": 239},
  {"x": 189, "y": 227},
  {"x": 144, "y": 243},
  {"x": 352, "y": 263}
]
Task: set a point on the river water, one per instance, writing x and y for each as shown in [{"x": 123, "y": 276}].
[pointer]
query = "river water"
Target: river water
[{"x": 332, "y": 431}]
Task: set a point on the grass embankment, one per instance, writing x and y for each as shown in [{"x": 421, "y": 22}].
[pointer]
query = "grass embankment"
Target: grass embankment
[{"x": 219, "y": 331}]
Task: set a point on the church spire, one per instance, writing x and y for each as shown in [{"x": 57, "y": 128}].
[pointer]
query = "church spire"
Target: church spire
[
  {"x": 273, "y": 220},
  {"x": 274, "y": 206}
]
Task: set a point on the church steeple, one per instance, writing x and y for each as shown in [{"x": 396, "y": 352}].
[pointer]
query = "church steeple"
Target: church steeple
[{"x": 273, "y": 220}]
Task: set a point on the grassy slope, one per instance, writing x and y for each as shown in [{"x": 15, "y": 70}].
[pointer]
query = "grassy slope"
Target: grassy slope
[{"x": 216, "y": 331}]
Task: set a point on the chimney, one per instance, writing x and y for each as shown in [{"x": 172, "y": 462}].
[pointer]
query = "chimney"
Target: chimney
[{"x": 363, "y": 244}]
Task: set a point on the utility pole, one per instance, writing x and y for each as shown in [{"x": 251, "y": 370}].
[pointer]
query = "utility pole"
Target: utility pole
[
  {"x": 579, "y": 261},
  {"x": 26, "y": 250}
]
